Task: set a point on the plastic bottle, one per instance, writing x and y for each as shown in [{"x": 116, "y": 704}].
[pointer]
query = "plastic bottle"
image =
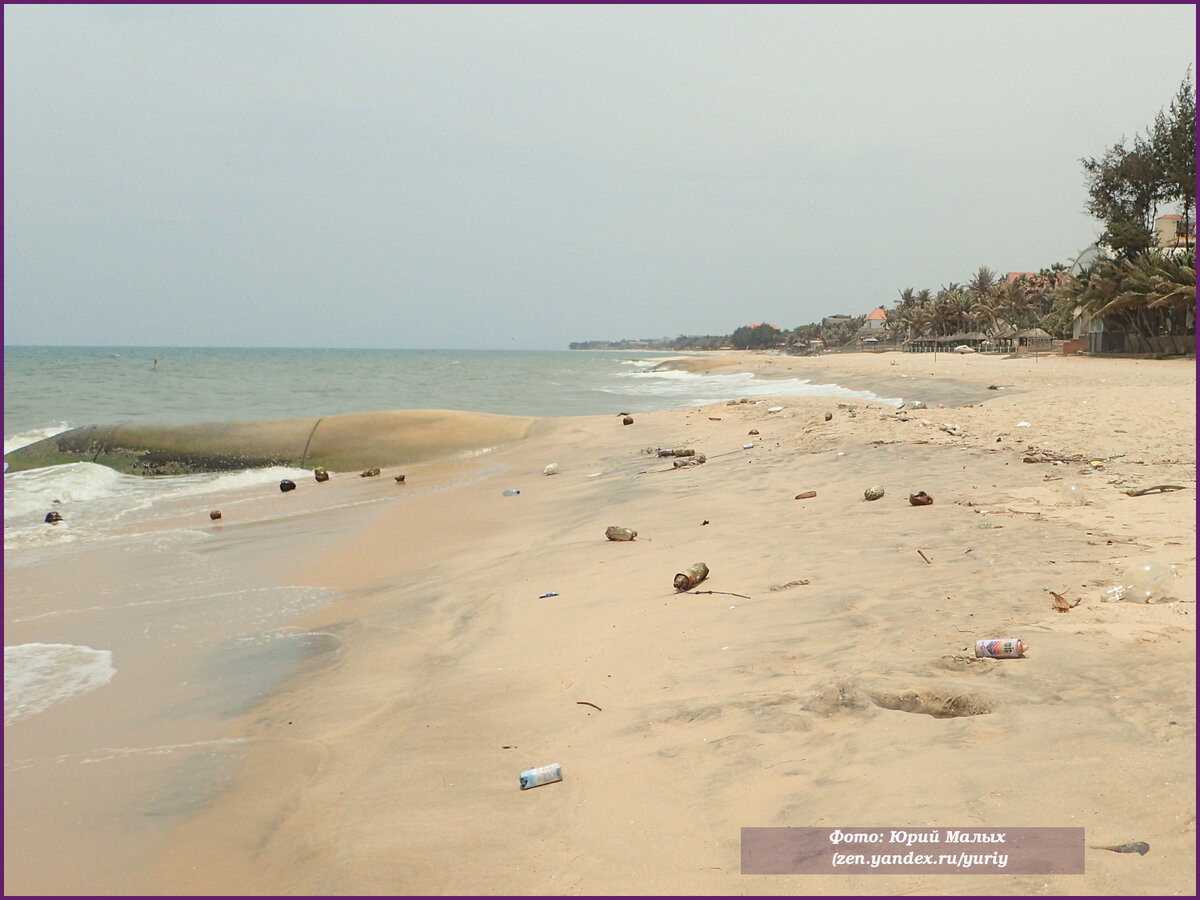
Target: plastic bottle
[
  {"x": 1149, "y": 581},
  {"x": 536, "y": 777},
  {"x": 511, "y": 492}
]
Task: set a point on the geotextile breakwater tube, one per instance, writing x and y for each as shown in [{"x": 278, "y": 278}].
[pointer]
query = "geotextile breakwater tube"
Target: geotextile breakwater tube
[{"x": 338, "y": 443}]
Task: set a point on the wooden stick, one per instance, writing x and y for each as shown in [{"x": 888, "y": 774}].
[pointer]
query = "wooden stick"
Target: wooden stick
[
  {"x": 926, "y": 558},
  {"x": 1137, "y": 492},
  {"x": 585, "y": 703},
  {"x": 727, "y": 593}
]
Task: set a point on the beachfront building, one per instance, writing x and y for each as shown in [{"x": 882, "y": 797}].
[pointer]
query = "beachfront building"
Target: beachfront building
[
  {"x": 875, "y": 321},
  {"x": 1171, "y": 232}
]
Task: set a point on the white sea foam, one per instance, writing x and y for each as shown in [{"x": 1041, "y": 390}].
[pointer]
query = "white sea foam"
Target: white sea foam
[
  {"x": 91, "y": 498},
  {"x": 25, "y": 438},
  {"x": 36, "y": 676},
  {"x": 699, "y": 389}
]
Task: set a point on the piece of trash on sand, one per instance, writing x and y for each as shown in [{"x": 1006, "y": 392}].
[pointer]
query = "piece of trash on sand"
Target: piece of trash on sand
[
  {"x": 873, "y": 493},
  {"x": 1140, "y": 847},
  {"x": 1149, "y": 581},
  {"x": 691, "y": 576},
  {"x": 774, "y": 409},
  {"x": 1072, "y": 495},
  {"x": 807, "y": 495},
  {"x": 920, "y": 498},
  {"x": 1000, "y": 648},
  {"x": 399, "y": 479},
  {"x": 551, "y": 469},
  {"x": 320, "y": 474},
  {"x": 287, "y": 485},
  {"x": 547, "y": 594},
  {"x": 617, "y": 533},
  {"x": 510, "y": 492},
  {"x": 1024, "y": 425},
  {"x": 1138, "y": 492},
  {"x": 540, "y": 775}
]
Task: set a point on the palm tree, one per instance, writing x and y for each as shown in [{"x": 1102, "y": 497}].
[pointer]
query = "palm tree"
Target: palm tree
[
  {"x": 899, "y": 318},
  {"x": 1150, "y": 296},
  {"x": 989, "y": 307},
  {"x": 955, "y": 309}
]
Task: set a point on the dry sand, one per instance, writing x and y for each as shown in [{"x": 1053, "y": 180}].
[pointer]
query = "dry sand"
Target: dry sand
[{"x": 394, "y": 770}]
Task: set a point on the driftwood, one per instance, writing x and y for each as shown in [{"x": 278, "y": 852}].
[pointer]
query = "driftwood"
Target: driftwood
[
  {"x": 1137, "y": 492},
  {"x": 1037, "y": 456}
]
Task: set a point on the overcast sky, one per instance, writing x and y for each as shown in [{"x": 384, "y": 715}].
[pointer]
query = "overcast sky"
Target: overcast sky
[{"x": 526, "y": 176}]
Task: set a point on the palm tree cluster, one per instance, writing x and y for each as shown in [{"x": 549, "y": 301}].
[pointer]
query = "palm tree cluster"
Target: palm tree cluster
[
  {"x": 1151, "y": 297},
  {"x": 986, "y": 303}
]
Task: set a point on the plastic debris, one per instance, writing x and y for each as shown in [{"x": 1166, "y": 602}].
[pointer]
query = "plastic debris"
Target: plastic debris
[{"x": 691, "y": 576}]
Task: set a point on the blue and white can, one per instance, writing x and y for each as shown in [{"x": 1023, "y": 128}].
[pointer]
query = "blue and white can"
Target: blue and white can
[{"x": 532, "y": 778}]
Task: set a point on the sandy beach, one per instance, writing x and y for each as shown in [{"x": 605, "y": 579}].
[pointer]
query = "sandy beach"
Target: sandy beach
[{"x": 822, "y": 675}]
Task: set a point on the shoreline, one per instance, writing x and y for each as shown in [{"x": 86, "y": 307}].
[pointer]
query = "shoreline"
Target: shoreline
[
  {"x": 393, "y": 769},
  {"x": 390, "y": 765}
]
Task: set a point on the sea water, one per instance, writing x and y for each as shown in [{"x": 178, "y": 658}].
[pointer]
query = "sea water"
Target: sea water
[{"x": 135, "y": 630}]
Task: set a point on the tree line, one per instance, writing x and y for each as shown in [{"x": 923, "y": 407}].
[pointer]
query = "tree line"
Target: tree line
[{"x": 1136, "y": 287}]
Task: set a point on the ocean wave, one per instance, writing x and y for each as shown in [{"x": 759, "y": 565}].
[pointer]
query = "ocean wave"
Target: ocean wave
[
  {"x": 699, "y": 389},
  {"x": 25, "y": 438},
  {"x": 91, "y": 498}
]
